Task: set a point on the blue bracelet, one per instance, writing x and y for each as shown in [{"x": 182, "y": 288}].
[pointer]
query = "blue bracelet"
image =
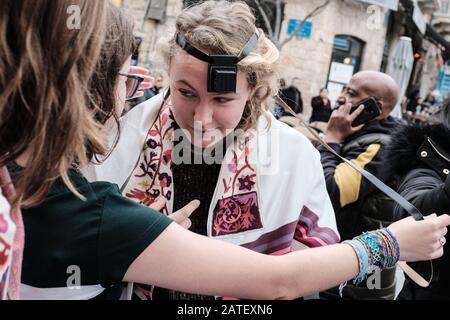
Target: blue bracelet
[{"x": 363, "y": 259}]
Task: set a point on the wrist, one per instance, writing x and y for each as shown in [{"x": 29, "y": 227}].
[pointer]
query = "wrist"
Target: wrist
[{"x": 331, "y": 138}]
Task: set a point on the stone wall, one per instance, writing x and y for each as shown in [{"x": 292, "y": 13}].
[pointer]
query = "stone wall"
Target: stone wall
[{"x": 308, "y": 59}]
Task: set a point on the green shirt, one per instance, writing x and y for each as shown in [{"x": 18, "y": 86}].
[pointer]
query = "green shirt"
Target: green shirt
[{"x": 95, "y": 240}]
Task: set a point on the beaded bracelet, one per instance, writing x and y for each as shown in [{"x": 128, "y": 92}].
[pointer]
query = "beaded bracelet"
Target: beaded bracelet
[
  {"x": 363, "y": 259},
  {"x": 374, "y": 249}
]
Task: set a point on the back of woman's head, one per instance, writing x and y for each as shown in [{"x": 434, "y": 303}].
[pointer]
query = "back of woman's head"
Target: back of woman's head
[
  {"x": 224, "y": 27},
  {"x": 118, "y": 46},
  {"x": 48, "y": 51}
]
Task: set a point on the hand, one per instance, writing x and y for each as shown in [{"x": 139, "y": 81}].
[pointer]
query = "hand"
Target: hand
[
  {"x": 149, "y": 82},
  {"x": 340, "y": 124},
  {"x": 181, "y": 216},
  {"x": 420, "y": 240}
]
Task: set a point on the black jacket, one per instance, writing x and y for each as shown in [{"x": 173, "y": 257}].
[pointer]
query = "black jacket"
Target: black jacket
[
  {"x": 320, "y": 112},
  {"x": 421, "y": 157},
  {"x": 358, "y": 204}
]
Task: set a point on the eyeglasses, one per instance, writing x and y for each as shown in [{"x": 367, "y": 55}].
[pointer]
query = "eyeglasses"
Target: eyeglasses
[{"x": 133, "y": 83}]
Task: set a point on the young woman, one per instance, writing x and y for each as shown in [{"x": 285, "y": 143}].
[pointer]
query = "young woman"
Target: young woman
[
  {"x": 75, "y": 248},
  {"x": 260, "y": 184},
  {"x": 44, "y": 123}
]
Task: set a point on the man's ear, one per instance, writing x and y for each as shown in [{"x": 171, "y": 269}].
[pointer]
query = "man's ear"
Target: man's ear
[{"x": 381, "y": 104}]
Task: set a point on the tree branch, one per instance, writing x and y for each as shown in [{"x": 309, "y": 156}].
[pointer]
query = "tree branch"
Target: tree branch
[
  {"x": 265, "y": 18},
  {"x": 313, "y": 13}
]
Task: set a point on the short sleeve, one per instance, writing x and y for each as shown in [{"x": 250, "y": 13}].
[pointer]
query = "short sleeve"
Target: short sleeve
[{"x": 126, "y": 230}]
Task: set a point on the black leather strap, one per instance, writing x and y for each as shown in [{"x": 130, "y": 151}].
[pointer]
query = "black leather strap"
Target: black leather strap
[{"x": 409, "y": 207}]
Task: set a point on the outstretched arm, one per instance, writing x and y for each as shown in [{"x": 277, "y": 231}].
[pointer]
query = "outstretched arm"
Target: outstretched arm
[
  {"x": 187, "y": 262},
  {"x": 184, "y": 261}
]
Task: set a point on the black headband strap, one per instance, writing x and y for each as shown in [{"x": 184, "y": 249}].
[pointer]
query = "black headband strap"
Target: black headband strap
[
  {"x": 181, "y": 41},
  {"x": 248, "y": 48}
]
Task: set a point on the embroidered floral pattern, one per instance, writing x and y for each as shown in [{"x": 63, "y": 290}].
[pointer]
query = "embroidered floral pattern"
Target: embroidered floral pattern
[
  {"x": 3, "y": 224},
  {"x": 6, "y": 238},
  {"x": 152, "y": 177},
  {"x": 246, "y": 183},
  {"x": 236, "y": 214},
  {"x": 238, "y": 209}
]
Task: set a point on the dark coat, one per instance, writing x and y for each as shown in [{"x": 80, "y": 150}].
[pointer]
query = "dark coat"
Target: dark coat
[{"x": 421, "y": 157}]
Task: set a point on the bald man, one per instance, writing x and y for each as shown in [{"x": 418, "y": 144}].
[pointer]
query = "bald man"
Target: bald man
[{"x": 358, "y": 205}]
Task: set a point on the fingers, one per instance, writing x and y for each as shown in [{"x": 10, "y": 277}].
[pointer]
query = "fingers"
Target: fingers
[
  {"x": 187, "y": 223},
  {"x": 184, "y": 213},
  {"x": 149, "y": 82},
  {"x": 430, "y": 216},
  {"x": 355, "y": 129},
  {"x": 159, "y": 204},
  {"x": 437, "y": 253},
  {"x": 443, "y": 220},
  {"x": 346, "y": 108},
  {"x": 138, "y": 94},
  {"x": 139, "y": 70},
  {"x": 356, "y": 113}
]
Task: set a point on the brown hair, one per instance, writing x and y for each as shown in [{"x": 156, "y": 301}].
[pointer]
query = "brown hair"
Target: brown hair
[
  {"x": 118, "y": 45},
  {"x": 224, "y": 27},
  {"x": 45, "y": 67}
]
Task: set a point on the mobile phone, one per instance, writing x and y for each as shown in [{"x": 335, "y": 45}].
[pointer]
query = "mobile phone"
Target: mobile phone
[{"x": 370, "y": 112}]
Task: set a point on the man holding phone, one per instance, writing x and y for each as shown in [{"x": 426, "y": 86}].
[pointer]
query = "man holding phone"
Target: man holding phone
[{"x": 357, "y": 203}]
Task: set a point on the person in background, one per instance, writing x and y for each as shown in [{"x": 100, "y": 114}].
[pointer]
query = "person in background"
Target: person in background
[
  {"x": 358, "y": 204},
  {"x": 321, "y": 107},
  {"x": 420, "y": 156},
  {"x": 292, "y": 95}
]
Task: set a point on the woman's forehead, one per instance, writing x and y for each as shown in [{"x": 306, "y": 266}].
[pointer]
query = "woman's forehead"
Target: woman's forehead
[{"x": 188, "y": 69}]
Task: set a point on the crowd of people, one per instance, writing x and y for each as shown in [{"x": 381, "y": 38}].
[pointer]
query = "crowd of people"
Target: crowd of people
[{"x": 199, "y": 192}]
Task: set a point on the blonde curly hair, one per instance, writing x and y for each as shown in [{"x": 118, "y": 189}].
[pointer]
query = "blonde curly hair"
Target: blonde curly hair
[{"x": 224, "y": 27}]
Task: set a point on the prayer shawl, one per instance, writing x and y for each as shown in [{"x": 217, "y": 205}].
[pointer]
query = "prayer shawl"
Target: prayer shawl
[
  {"x": 271, "y": 189},
  {"x": 12, "y": 239}
]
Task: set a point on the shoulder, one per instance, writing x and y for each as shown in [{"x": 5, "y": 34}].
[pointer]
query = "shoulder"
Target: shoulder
[{"x": 142, "y": 116}]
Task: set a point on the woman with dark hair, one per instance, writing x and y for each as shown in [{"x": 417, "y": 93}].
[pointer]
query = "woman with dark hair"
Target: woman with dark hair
[
  {"x": 414, "y": 101},
  {"x": 321, "y": 107},
  {"x": 421, "y": 158}
]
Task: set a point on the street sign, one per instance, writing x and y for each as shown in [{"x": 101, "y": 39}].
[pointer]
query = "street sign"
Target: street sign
[{"x": 304, "y": 31}]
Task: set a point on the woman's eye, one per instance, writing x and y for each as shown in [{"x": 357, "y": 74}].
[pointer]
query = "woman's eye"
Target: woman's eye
[
  {"x": 221, "y": 100},
  {"x": 186, "y": 93}
]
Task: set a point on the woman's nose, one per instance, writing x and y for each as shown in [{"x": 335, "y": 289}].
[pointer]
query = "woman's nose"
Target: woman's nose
[{"x": 203, "y": 113}]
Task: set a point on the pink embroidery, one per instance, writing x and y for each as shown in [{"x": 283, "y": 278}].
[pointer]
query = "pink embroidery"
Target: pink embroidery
[
  {"x": 236, "y": 214},
  {"x": 4, "y": 254},
  {"x": 238, "y": 209},
  {"x": 3, "y": 224},
  {"x": 152, "y": 178},
  {"x": 145, "y": 197}
]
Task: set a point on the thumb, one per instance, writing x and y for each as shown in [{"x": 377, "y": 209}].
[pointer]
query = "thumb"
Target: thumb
[
  {"x": 431, "y": 216},
  {"x": 185, "y": 212},
  {"x": 443, "y": 220},
  {"x": 159, "y": 204}
]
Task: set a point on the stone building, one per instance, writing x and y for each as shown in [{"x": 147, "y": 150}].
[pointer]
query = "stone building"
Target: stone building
[{"x": 344, "y": 37}]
